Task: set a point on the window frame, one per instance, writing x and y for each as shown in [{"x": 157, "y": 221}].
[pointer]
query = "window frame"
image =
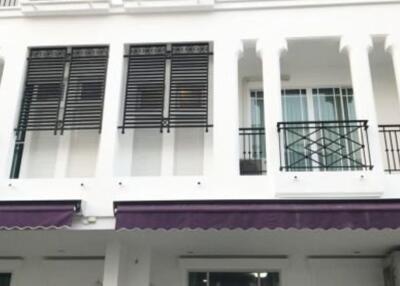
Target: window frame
[{"x": 278, "y": 264}]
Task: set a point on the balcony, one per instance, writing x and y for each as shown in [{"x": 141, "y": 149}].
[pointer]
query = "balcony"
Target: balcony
[
  {"x": 390, "y": 134},
  {"x": 252, "y": 151},
  {"x": 8, "y": 3},
  {"x": 324, "y": 146}
]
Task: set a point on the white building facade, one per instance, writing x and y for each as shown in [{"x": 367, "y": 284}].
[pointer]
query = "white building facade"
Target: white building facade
[{"x": 199, "y": 143}]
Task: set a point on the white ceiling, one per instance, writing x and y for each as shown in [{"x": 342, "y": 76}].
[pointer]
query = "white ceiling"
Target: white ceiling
[
  {"x": 309, "y": 54},
  {"x": 225, "y": 242}
]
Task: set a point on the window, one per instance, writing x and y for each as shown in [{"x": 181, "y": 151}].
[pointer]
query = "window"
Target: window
[
  {"x": 167, "y": 86},
  {"x": 5, "y": 279},
  {"x": 234, "y": 279},
  {"x": 64, "y": 90},
  {"x": 328, "y": 104}
]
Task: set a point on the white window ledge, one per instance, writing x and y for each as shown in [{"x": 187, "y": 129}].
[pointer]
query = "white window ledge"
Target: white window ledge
[
  {"x": 54, "y": 7},
  {"x": 139, "y": 6}
]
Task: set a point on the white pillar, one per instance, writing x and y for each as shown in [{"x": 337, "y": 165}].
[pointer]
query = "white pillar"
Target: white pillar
[
  {"x": 11, "y": 88},
  {"x": 226, "y": 107},
  {"x": 64, "y": 148},
  {"x": 113, "y": 263},
  {"x": 168, "y": 153},
  {"x": 124, "y": 266},
  {"x": 270, "y": 49},
  {"x": 357, "y": 48},
  {"x": 392, "y": 45},
  {"x": 112, "y": 103}
]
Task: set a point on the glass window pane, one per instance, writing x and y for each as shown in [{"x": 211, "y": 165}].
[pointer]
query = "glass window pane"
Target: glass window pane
[
  {"x": 196, "y": 279},
  {"x": 269, "y": 279},
  {"x": 5, "y": 279},
  {"x": 257, "y": 109},
  {"x": 233, "y": 279}
]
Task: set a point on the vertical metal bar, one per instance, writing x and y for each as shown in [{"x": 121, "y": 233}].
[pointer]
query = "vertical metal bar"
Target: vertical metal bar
[
  {"x": 367, "y": 144},
  {"x": 18, "y": 153},
  {"x": 386, "y": 148},
  {"x": 168, "y": 77},
  {"x": 364, "y": 162},
  {"x": 280, "y": 147},
  {"x": 128, "y": 64},
  {"x": 396, "y": 134},
  {"x": 208, "y": 86},
  {"x": 324, "y": 152},
  {"x": 104, "y": 91},
  {"x": 392, "y": 149},
  {"x": 285, "y": 130}
]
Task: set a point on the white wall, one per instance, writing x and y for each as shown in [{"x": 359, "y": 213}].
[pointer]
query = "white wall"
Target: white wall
[
  {"x": 47, "y": 155},
  {"x": 346, "y": 272},
  {"x": 37, "y": 271},
  {"x": 217, "y": 26}
]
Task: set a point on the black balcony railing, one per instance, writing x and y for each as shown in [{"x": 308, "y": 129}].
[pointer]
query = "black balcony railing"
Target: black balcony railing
[
  {"x": 324, "y": 145},
  {"x": 8, "y": 3},
  {"x": 252, "y": 147},
  {"x": 391, "y": 141}
]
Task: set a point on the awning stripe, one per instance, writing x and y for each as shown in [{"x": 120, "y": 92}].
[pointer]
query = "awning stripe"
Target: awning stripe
[
  {"x": 37, "y": 214},
  {"x": 272, "y": 214}
]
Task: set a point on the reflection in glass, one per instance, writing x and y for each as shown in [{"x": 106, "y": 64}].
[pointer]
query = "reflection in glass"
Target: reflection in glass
[{"x": 233, "y": 279}]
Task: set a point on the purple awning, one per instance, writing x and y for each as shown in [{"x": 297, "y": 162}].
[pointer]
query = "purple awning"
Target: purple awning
[
  {"x": 272, "y": 214},
  {"x": 37, "y": 215}
]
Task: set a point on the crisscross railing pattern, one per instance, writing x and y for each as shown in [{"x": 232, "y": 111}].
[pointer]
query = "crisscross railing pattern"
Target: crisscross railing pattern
[
  {"x": 324, "y": 145},
  {"x": 391, "y": 141}
]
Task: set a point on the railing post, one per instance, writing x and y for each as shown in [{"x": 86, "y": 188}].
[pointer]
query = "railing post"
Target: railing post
[
  {"x": 226, "y": 107},
  {"x": 270, "y": 49},
  {"x": 357, "y": 48}
]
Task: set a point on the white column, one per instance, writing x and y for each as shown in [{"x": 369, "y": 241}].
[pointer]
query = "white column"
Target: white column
[
  {"x": 357, "y": 48},
  {"x": 392, "y": 45},
  {"x": 113, "y": 263},
  {"x": 270, "y": 50},
  {"x": 112, "y": 103},
  {"x": 168, "y": 153},
  {"x": 226, "y": 107},
  {"x": 124, "y": 266},
  {"x": 11, "y": 88},
  {"x": 64, "y": 147}
]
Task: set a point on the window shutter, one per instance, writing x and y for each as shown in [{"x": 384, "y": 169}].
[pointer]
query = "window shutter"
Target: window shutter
[
  {"x": 188, "y": 100},
  {"x": 85, "y": 93},
  {"x": 145, "y": 87},
  {"x": 43, "y": 89}
]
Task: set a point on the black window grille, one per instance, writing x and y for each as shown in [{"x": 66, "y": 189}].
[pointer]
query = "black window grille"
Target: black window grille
[
  {"x": 188, "y": 99},
  {"x": 43, "y": 89},
  {"x": 85, "y": 92},
  {"x": 64, "y": 90},
  {"x": 145, "y": 86},
  {"x": 151, "y": 101}
]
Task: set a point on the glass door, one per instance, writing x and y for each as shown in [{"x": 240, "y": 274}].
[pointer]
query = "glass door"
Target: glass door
[
  {"x": 257, "y": 124},
  {"x": 313, "y": 104},
  {"x": 336, "y": 104},
  {"x": 295, "y": 109}
]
